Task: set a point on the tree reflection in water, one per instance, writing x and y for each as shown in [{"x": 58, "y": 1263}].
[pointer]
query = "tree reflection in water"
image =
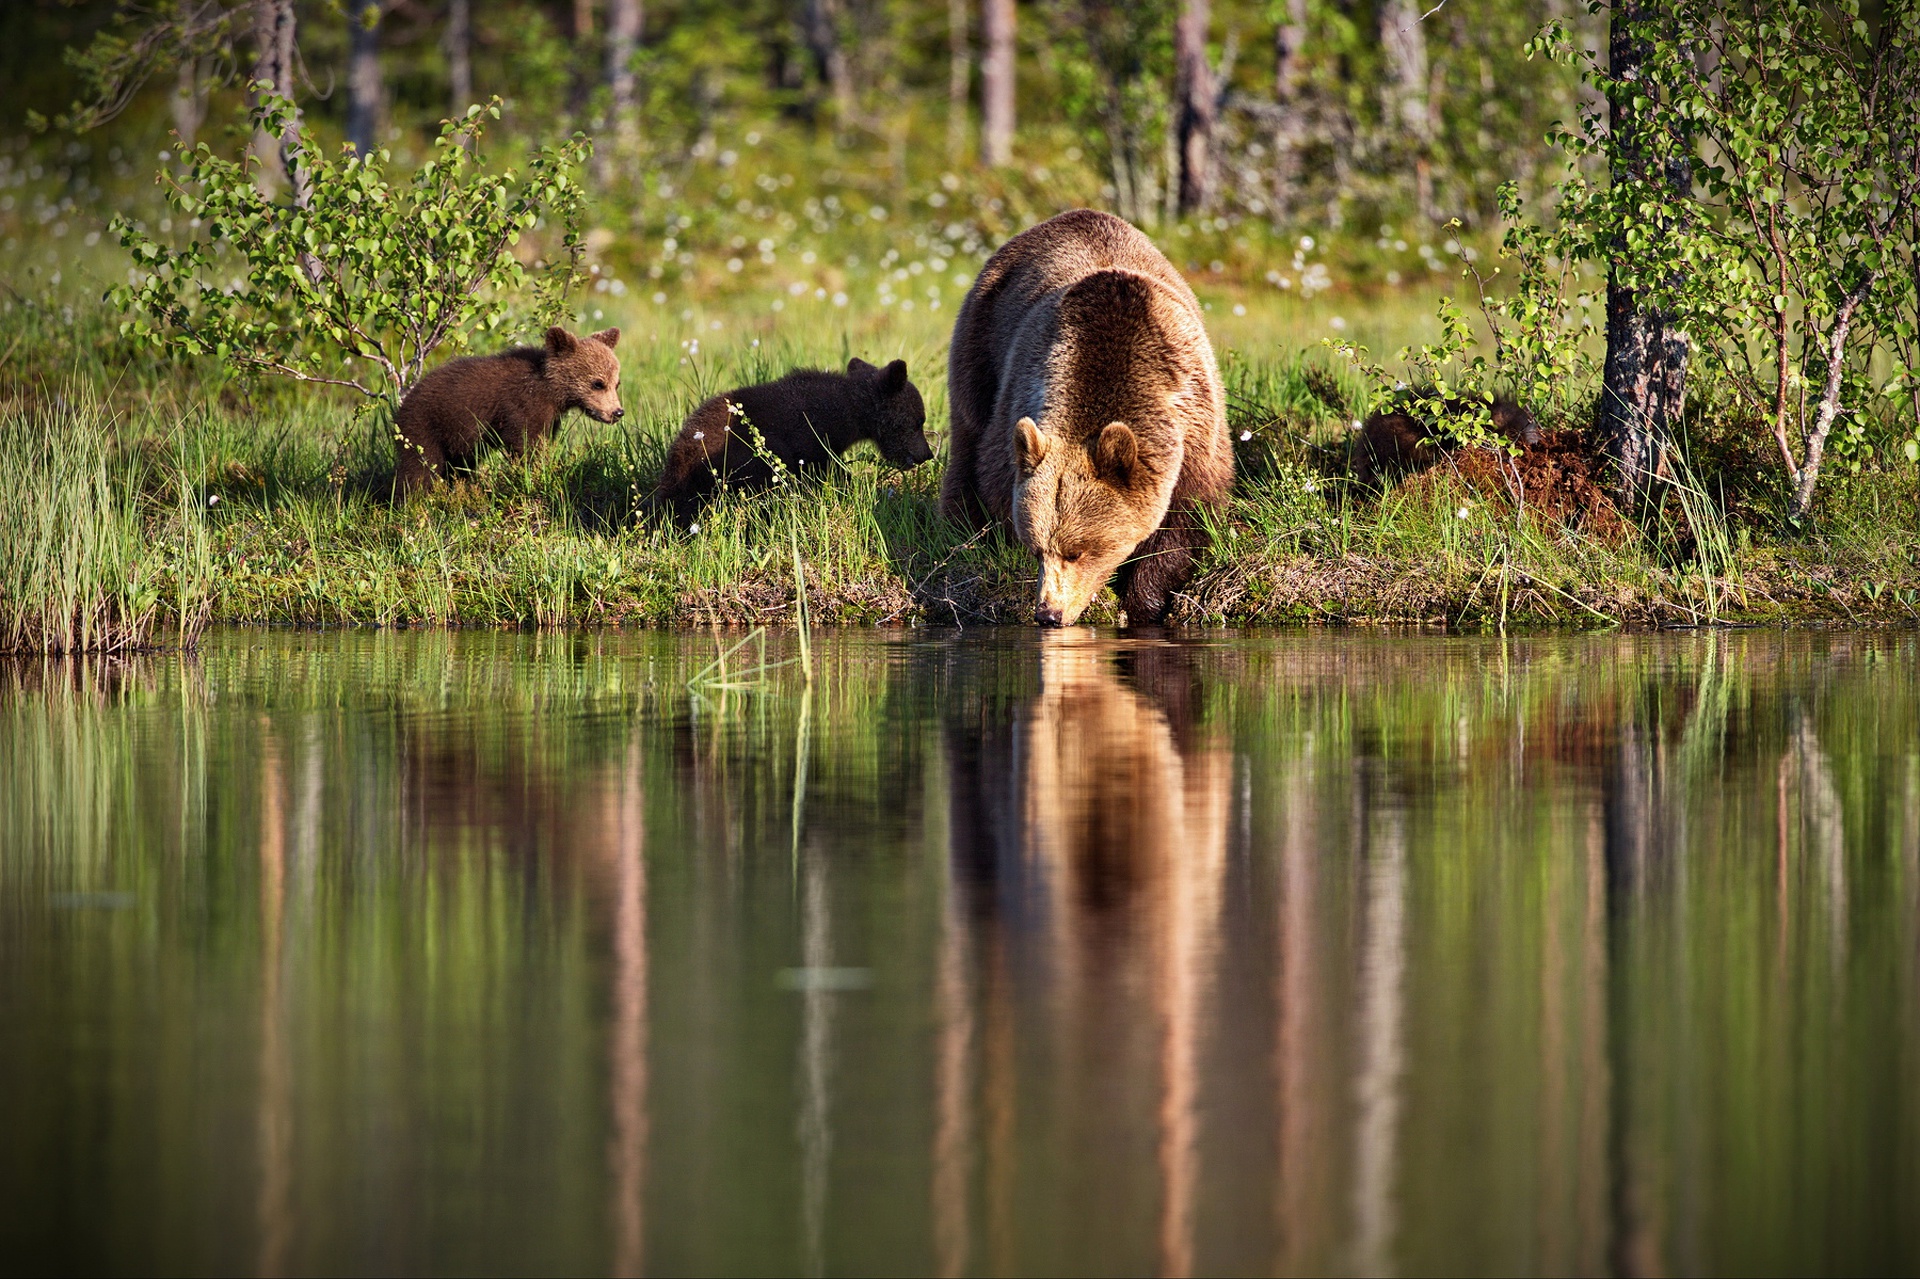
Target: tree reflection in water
[{"x": 996, "y": 953}]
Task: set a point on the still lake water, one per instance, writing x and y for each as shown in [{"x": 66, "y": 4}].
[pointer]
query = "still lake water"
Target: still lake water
[{"x": 997, "y": 952}]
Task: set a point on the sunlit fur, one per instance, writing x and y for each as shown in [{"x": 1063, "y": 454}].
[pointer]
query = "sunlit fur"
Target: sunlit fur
[
  {"x": 513, "y": 399},
  {"x": 1080, "y": 329}
]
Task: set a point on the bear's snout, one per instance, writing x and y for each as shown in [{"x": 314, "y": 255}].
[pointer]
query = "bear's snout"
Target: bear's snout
[{"x": 1049, "y": 616}]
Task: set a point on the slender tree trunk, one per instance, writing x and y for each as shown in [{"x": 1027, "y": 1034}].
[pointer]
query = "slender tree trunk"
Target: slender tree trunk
[
  {"x": 822, "y": 30},
  {"x": 580, "y": 92},
  {"x": 1644, "y": 380},
  {"x": 996, "y": 82},
  {"x": 1404, "y": 45},
  {"x": 959, "y": 77},
  {"x": 189, "y": 102},
  {"x": 273, "y": 46},
  {"x": 460, "y": 53},
  {"x": 1289, "y": 92},
  {"x": 623, "y": 36},
  {"x": 1829, "y": 408},
  {"x": 1195, "y": 105},
  {"x": 363, "y": 75}
]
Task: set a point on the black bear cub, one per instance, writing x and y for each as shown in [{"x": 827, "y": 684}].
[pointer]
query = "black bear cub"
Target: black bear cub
[
  {"x": 807, "y": 419},
  {"x": 513, "y": 399}
]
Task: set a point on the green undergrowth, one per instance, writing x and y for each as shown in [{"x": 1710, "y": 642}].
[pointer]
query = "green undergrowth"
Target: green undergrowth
[{"x": 162, "y": 495}]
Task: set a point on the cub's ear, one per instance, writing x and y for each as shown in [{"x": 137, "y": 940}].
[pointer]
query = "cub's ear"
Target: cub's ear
[
  {"x": 1115, "y": 454},
  {"x": 607, "y": 337},
  {"x": 893, "y": 377},
  {"x": 858, "y": 365},
  {"x": 559, "y": 341},
  {"x": 1029, "y": 446}
]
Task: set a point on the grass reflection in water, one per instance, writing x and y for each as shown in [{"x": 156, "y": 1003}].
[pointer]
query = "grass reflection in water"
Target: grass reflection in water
[{"x": 986, "y": 952}]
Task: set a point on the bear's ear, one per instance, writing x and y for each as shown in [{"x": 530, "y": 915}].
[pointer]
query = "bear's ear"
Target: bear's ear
[
  {"x": 1029, "y": 446},
  {"x": 559, "y": 341},
  {"x": 608, "y": 338},
  {"x": 1115, "y": 454},
  {"x": 893, "y": 377},
  {"x": 858, "y": 365}
]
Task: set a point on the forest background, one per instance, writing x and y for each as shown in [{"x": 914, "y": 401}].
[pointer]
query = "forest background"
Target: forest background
[{"x": 794, "y": 181}]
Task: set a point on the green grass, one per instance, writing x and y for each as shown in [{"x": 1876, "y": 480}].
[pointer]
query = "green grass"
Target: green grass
[
  {"x": 79, "y": 518},
  {"x": 158, "y": 495}
]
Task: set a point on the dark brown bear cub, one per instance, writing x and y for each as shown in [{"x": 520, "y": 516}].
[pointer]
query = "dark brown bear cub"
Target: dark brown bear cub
[
  {"x": 1395, "y": 443},
  {"x": 513, "y": 399},
  {"x": 806, "y": 419}
]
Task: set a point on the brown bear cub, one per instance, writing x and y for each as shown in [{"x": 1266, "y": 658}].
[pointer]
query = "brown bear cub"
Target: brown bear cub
[
  {"x": 1394, "y": 443},
  {"x": 1088, "y": 414},
  {"x": 513, "y": 399},
  {"x": 807, "y": 419}
]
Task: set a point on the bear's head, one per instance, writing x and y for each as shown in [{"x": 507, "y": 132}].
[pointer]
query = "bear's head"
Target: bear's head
[
  {"x": 586, "y": 372},
  {"x": 1082, "y": 506},
  {"x": 898, "y": 428}
]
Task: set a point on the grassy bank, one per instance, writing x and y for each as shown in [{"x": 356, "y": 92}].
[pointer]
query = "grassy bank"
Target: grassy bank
[{"x": 164, "y": 492}]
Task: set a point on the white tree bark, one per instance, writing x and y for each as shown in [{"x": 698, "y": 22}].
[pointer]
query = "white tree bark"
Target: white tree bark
[
  {"x": 1195, "y": 105},
  {"x": 364, "y": 90},
  {"x": 1404, "y": 96},
  {"x": 188, "y": 105},
  {"x": 996, "y": 82},
  {"x": 1829, "y": 396},
  {"x": 959, "y": 77},
  {"x": 460, "y": 53},
  {"x": 273, "y": 62},
  {"x": 623, "y": 38}
]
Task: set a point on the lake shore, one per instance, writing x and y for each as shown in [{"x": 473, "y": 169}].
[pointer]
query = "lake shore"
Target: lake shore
[{"x": 203, "y": 500}]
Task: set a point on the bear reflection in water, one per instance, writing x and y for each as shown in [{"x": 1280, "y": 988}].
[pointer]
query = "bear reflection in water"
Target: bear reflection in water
[{"x": 1089, "y": 833}]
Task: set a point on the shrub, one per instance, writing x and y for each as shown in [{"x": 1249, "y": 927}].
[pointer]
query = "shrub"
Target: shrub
[{"x": 360, "y": 284}]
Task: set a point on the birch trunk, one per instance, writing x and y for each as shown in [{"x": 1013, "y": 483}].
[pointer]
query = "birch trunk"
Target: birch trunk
[
  {"x": 460, "y": 53},
  {"x": 1195, "y": 106},
  {"x": 1289, "y": 92},
  {"x": 822, "y": 30},
  {"x": 623, "y": 37},
  {"x": 273, "y": 45},
  {"x": 1644, "y": 379},
  {"x": 959, "y": 77},
  {"x": 996, "y": 82},
  {"x": 363, "y": 75},
  {"x": 1405, "y": 95},
  {"x": 1829, "y": 398},
  {"x": 188, "y": 105}
]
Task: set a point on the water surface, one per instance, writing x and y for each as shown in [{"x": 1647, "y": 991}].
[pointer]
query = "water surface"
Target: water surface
[{"x": 992, "y": 953}]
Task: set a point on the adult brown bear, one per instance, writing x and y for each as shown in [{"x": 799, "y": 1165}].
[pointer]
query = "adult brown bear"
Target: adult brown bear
[{"x": 1088, "y": 414}]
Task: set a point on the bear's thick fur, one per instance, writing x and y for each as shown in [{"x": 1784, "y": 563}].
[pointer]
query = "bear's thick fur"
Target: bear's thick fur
[
  {"x": 806, "y": 419},
  {"x": 1395, "y": 443},
  {"x": 512, "y": 399},
  {"x": 1088, "y": 414}
]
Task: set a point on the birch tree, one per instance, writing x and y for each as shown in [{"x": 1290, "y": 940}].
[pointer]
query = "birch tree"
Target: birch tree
[
  {"x": 1195, "y": 105},
  {"x": 996, "y": 82},
  {"x": 364, "y": 96}
]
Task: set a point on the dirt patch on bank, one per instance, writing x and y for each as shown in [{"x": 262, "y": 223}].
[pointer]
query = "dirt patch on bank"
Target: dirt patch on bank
[{"x": 1556, "y": 482}]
